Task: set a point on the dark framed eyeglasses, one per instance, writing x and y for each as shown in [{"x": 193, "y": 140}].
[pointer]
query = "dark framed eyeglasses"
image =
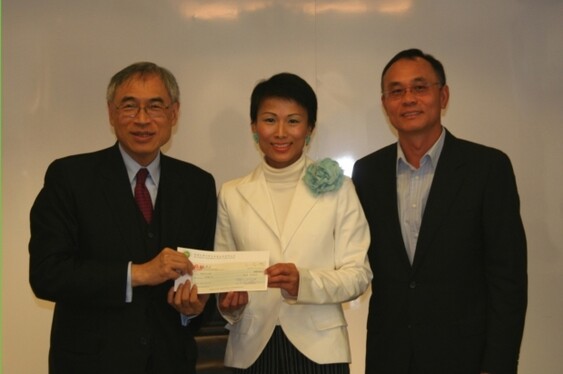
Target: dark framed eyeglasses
[
  {"x": 131, "y": 109},
  {"x": 419, "y": 89}
]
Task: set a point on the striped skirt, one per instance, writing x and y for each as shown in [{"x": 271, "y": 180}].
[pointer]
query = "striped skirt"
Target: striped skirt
[{"x": 281, "y": 357}]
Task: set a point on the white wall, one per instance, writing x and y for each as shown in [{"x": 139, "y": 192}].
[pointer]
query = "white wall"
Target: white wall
[{"x": 503, "y": 59}]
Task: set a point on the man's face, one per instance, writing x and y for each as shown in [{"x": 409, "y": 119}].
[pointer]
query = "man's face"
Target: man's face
[
  {"x": 141, "y": 135},
  {"x": 419, "y": 109}
]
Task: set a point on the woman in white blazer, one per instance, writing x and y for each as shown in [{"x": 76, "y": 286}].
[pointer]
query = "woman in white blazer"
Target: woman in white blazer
[{"x": 308, "y": 217}]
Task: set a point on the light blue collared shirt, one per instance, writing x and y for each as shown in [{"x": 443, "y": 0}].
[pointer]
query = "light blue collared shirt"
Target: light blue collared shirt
[{"x": 413, "y": 186}]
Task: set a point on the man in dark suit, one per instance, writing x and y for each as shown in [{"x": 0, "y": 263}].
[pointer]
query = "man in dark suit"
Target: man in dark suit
[
  {"x": 448, "y": 249},
  {"x": 108, "y": 265}
]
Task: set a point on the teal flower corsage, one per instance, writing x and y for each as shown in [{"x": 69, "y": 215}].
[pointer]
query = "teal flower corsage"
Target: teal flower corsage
[{"x": 323, "y": 176}]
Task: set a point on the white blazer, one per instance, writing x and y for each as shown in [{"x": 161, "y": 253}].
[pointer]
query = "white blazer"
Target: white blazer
[{"x": 326, "y": 237}]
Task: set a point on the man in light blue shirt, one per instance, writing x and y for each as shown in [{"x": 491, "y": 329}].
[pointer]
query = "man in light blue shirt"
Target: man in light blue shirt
[{"x": 448, "y": 249}]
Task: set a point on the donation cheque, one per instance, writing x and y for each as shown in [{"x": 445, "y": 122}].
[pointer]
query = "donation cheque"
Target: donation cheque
[{"x": 226, "y": 271}]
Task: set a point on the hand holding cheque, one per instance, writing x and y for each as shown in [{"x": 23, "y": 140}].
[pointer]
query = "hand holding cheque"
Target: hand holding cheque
[
  {"x": 234, "y": 274},
  {"x": 215, "y": 272}
]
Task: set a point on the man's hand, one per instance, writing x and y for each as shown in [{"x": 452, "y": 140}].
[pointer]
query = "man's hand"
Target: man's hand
[
  {"x": 186, "y": 300},
  {"x": 168, "y": 264},
  {"x": 284, "y": 276},
  {"x": 232, "y": 301}
]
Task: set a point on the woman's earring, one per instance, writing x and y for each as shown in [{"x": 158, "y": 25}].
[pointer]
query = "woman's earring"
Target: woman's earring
[
  {"x": 307, "y": 139},
  {"x": 255, "y": 137}
]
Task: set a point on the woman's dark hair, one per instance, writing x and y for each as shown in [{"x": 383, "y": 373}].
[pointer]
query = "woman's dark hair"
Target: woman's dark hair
[{"x": 285, "y": 86}]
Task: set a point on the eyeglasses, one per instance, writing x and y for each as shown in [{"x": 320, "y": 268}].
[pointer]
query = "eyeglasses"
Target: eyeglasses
[
  {"x": 419, "y": 89},
  {"x": 131, "y": 109}
]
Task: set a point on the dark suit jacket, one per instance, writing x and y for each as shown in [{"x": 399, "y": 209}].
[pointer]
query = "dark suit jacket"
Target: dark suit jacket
[
  {"x": 460, "y": 307},
  {"x": 85, "y": 228}
]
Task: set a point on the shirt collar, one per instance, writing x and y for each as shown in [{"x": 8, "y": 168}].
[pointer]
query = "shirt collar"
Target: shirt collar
[
  {"x": 133, "y": 167},
  {"x": 432, "y": 155}
]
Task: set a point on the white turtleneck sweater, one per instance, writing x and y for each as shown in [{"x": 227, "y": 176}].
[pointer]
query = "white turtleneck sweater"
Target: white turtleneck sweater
[{"x": 281, "y": 184}]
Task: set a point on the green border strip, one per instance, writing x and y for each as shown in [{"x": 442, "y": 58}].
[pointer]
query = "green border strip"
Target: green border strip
[{"x": 1, "y": 200}]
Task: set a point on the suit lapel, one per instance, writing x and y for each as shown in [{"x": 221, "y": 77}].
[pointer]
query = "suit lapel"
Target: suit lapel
[
  {"x": 388, "y": 200},
  {"x": 256, "y": 194},
  {"x": 445, "y": 186},
  {"x": 115, "y": 186},
  {"x": 301, "y": 204},
  {"x": 170, "y": 199}
]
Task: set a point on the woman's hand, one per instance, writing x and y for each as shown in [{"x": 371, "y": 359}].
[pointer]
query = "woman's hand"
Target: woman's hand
[{"x": 284, "y": 276}]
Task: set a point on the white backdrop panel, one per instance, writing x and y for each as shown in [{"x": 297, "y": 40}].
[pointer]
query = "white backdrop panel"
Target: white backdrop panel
[{"x": 503, "y": 60}]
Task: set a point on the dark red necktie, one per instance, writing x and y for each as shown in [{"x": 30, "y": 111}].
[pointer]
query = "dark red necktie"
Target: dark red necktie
[{"x": 142, "y": 196}]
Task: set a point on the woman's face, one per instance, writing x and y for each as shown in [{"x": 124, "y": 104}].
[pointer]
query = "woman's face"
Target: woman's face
[{"x": 282, "y": 126}]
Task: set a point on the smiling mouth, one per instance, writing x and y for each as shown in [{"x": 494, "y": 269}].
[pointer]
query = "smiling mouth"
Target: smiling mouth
[
  {"x": 142, "y": 134},
  {"x": 281, "y": 147},
  {"x": 411, "y": 114}
]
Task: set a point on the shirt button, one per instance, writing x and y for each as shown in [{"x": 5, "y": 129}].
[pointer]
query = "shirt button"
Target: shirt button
[
  {"x": 412, "y": 284},
  {"x": 150, "y": 235}
]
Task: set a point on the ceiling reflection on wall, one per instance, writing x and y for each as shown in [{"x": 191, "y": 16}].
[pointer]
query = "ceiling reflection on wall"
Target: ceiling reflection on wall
[
  {"x": 220, "y": 9},
  {"x": 231, "y": 10},
  {"x": 357, "y": 7}
]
